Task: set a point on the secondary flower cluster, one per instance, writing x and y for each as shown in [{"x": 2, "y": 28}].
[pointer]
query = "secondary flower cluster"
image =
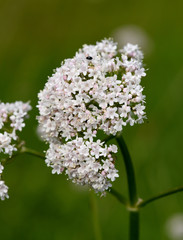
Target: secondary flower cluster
[
  {"x": 98, "y": 89},
  {"x": 86, "y": 162},
  {"x": 12, "y": 117},
  {"x": 11, "y": 120},
  {"x": 3, "y": 187}
]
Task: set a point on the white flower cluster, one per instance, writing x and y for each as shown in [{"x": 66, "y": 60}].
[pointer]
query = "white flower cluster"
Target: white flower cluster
[
  {"x": 3, "y": 187},
  {"x": 86, "y": 162},
  {"x": 11, "y": 120},
  {"x": 98, "y": 89}
]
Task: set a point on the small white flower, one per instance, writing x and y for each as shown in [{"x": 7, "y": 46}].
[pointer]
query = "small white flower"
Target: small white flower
[
  {"x": 111, "y": 113},
  {"x": 5, "y": 140},
  {"x": 124, "y": 110},
  {"x": 112, "y": 174},
  {"x": 1, "y": 168},
  {"x": 57, "y": 169}
]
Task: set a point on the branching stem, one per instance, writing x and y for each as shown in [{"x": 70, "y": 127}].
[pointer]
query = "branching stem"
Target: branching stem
[
  {"x": 32, "y": 152},
  {"x": 159, "y": 196},
  {"x": 119, "y": 196},
  {"x": 133, "y": 206}
]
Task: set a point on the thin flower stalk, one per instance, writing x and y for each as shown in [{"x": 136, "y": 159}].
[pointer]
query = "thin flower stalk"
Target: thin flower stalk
[{"x": 159, "y": 196}]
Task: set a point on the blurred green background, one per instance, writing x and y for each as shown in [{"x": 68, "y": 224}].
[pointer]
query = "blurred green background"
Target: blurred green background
[{"x": 35, "y": 36}]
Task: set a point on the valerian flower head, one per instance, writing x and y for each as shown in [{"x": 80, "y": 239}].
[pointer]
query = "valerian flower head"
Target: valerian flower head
[
  {"x": 12, "y": 117},
  {"x": 98, "y": 89}
]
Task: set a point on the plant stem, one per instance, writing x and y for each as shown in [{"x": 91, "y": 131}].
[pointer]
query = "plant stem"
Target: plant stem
[
  {"x": 8, "y": 160},
  {"x": 161, "y": 195},
  {"x": 95, "y": 217},
  {"x": 129, "y": 171},
  {"x": 119, "y": 196},
  {"x": 32, "y": 152},
  {"x": 132, "y": 190},
  {"x": 134, "y": 225}
]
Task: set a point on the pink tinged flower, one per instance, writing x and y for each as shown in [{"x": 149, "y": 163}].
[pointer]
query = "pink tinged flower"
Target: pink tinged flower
[
  {"x": 139, "y": 109},
  {"x": 127, "y": 77},
  {"x": 111, "y": 113},
  {"x": 103, "y": 173},
  {"x": 96, "y": 166},
  {"x": 103, "y": 103},
  {"x": 57, "y": 169},
  {"x": 124, "y": 111},
  {"x": 5, "y": 140},
  {"x": 65, "y": 77},
  {"x": 112, "y": 175},
  {"x": 83, "y": 150},
  {"x": 112, "y": 148},
  {"x": 140, "y": 72},
  {"x": 95, "y": 152}
]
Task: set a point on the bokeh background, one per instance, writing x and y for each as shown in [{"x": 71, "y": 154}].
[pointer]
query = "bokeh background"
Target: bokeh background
[{"x": 35, "y": 36}]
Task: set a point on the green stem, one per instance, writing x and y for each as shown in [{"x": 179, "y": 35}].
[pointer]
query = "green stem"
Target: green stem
[
  {"x": 95, "y": 217},
  {"x": 134, "y": 225},
  {"x": 32, "y": 152},
  {"x": 8, "y": 160},
  {"x": 129, "y": 171},
  {"x": 161, "y": 195},
  {"x": 132, "y": 190},
  {"x": 119, "y": 196}
]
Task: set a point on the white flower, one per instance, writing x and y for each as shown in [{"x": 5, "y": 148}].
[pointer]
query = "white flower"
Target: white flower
[
  {"x": 5, "y": 140},
  {"x": 12, "y": 117},
  {"x": 57, "y": 169},
  {"x": 111, "y": 113},
  {"x": 98, "y": 89},
  {"x": 112, "y": 174},
  {"x": 124, "y": 110},
  {"x": 3, "y": 190}
]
